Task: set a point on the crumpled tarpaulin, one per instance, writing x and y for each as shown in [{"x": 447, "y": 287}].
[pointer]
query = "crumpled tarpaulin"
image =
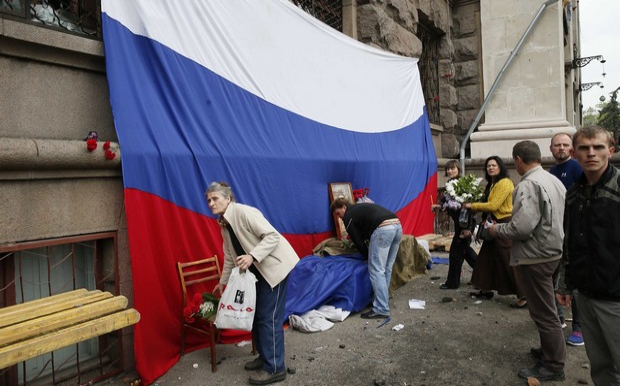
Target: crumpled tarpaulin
[
  {"x": 318, "y": 320},
  {"x": 340, "y": 281}
]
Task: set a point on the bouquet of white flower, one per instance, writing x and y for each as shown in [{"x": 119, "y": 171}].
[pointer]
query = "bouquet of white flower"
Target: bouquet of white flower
[{"x": 460, "y": 190}]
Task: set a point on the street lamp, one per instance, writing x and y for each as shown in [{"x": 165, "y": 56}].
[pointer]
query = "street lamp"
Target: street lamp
[
  {"x": 587, "y": 86},
  {"x": 582, "y": 62}
]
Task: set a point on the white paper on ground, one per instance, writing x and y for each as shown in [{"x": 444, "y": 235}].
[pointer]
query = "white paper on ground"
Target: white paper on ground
[
  {"x": 416, "y": 304},
  {"x": 398, "y": 327}
]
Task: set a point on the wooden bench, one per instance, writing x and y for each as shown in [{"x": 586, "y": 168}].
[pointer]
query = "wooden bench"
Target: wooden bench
[
  {"x": 39, "y": 326},
  {"x": 437, "y": 242}
]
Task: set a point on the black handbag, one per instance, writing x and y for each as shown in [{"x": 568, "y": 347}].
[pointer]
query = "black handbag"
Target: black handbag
[{"x": 483, "y": 234}]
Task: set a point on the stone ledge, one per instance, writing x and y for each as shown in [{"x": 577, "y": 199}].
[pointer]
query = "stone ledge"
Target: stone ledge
[
  {"x": 518, "y": 134},
  {"x": 36, "y": 42},
  {"x": 45, "y": 155},
  {"x": 531, "y": 124},
  {"x": 31, "y": 33}
]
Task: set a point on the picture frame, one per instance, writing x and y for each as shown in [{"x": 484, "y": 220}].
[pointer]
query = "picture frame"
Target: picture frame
[{"x": 336, "y": 190}]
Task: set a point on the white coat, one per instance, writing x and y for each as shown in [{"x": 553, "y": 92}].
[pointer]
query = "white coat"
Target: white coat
[{"x": 274, "y": 256}]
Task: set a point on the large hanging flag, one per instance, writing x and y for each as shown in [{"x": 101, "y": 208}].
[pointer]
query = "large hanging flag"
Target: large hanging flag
[{"x": 267, "y": 98}]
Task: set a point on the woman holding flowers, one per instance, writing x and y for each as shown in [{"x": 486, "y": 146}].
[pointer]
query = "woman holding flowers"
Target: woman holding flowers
[
  {"x": 460, "y": 248},
  {"x": 493, "y": 270}
]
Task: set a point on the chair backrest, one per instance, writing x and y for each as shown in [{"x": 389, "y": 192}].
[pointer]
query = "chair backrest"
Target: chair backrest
[{"x": 196, "y": 272}]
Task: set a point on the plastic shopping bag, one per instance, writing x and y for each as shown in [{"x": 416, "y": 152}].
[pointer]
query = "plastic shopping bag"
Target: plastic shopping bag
[{"x": 238, "y": 302}]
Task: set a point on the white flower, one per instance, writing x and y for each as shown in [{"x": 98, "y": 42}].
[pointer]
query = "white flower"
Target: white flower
[
  {"x": 464, "y": 189},
  {"x": 206, "y": 308}
]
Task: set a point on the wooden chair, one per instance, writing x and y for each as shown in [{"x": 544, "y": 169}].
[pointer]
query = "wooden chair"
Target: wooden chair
[
  {"x": 192, "y": 273},
  {"x": 197, "y": 272}
]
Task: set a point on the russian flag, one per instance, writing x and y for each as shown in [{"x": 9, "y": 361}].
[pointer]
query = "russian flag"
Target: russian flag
[{"x": 269, "y": 99}]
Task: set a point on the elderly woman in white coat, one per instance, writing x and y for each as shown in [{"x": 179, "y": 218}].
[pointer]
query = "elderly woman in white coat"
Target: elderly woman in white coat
[{"x": 251, "y": 242}]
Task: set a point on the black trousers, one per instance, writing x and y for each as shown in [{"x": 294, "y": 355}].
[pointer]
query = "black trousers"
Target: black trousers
[{"x": 460, "y": 250}]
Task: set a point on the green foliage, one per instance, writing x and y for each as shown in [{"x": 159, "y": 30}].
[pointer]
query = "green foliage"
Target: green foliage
[
  {"x": 609, "y": 116},
  {"x": 590, "y": 117}
]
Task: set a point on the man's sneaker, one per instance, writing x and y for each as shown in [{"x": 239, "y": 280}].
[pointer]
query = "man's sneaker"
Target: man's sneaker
[
  {"x": 373, "y": 315},
  {"x": 541, "y": 373},
  {"x": 575, "y": 339}
]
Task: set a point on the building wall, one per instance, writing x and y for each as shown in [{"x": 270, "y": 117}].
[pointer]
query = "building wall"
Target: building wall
[
  {"x": 394, "y": 25},
  {"x": 532, "y": 99},
  {"x": 53, "y": 91},
  {"x": 466, "y": 71}
]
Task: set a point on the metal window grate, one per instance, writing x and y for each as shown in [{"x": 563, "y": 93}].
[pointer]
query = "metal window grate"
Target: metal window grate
[
  {"x": 327, "y": 11},
  {"x": 82, "y": 17},
  {"x": 37, "y": 270}
]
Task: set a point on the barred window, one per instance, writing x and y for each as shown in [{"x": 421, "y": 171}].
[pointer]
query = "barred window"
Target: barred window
[
  {"x": 327, "y": 11},
  {"x": 36, "y": 270},
  {"x": 429, "y": 67},
  {"x": 82, "y": 17}
]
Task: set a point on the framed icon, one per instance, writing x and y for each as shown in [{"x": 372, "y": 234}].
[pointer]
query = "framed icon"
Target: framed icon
[{"x": 337, "y": 190}]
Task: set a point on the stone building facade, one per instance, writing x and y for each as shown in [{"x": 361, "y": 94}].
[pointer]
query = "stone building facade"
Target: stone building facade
[
  {"x": 63, "y": 223},
  {"x": 62, "y": 206},
  {"x": 445, "y": 35},
  {"x": 463, "y": 45}
]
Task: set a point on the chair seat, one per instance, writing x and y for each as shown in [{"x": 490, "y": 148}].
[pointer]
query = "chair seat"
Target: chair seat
[{"x": 203, "y": 274}]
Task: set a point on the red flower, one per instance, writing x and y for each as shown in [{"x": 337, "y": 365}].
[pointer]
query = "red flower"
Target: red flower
[
  {"x": 106, "y": 145},
  {"x": 192, "y": 308},
  {"x": 188, "y": 314},
  {"x": 91, "y": 144},
  {"x": 109, "y": 154}
]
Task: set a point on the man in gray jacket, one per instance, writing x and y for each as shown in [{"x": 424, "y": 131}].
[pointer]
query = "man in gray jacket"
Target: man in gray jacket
[{"x": 536, "y": 229}]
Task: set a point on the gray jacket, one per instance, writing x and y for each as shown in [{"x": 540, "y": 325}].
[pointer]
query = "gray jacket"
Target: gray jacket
[{"x": 536, "y": 227}]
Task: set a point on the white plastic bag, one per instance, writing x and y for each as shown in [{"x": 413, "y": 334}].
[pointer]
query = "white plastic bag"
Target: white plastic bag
[{"x": 238, "y": 302}]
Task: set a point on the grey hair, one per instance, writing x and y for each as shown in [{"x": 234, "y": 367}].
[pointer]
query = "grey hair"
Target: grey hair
[{"x": 221, "y": 187}]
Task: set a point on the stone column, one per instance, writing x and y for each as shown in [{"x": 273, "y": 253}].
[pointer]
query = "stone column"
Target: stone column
[
  {"x": 530, "y": 100},
  {"x": 349, "y": 18}
]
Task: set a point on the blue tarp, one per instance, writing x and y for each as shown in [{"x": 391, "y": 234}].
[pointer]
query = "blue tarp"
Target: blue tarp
[{"x": 341, "y": 281}]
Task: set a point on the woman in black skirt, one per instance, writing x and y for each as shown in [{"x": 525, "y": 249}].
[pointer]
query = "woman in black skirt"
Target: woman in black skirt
[{"x": 493, "y": 270}]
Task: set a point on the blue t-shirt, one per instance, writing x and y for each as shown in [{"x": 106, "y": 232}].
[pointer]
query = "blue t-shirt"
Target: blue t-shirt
[{"x": 568, "y": 172}]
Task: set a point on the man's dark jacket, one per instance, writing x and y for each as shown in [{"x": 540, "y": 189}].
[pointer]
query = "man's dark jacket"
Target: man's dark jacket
[
  {"x": 361, "y": 220},
  {"x": 592, "y": 237}
]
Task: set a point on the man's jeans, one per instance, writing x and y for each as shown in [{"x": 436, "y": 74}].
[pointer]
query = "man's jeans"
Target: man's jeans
[{"x": 384, "y": 243}]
